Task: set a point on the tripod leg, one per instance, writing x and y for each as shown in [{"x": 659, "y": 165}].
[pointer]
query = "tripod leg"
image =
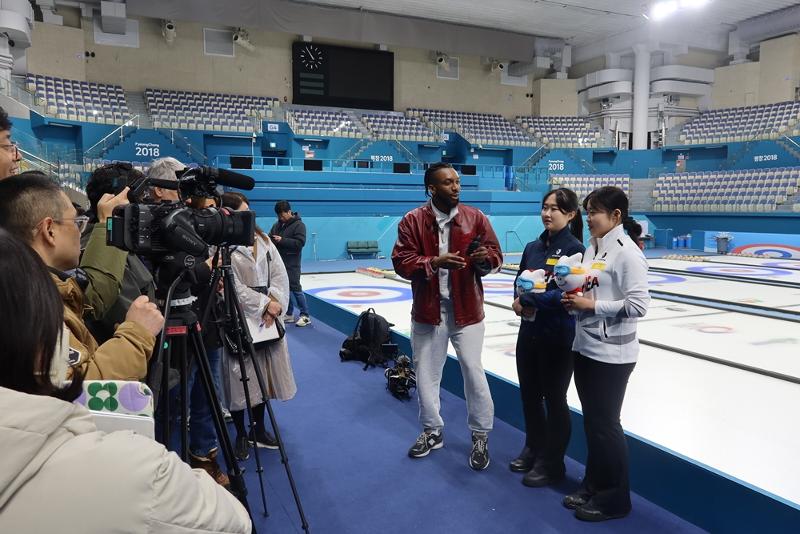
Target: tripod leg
[
  {"x": 285, "y": 460},
  {"x": 238, "y": 487},
  {"x": 249, "y": 407},
  {"x": 239, "y": 317},
  {"x": 165, "y": 423},
  {"x": 184, "y": 394}
]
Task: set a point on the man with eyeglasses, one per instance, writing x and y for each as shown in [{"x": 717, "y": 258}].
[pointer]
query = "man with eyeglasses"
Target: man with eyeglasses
[
  {"x": 9, "y": 153},
  {"x": 37, "y": 211}
]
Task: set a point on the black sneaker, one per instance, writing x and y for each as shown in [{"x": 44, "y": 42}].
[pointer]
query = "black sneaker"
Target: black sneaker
[
  {"x": 426, "y": 442},
  {"x": 242, "y": 448},
  {"x": 479, "y": 457},
  {"x": 264, "y": 440}
]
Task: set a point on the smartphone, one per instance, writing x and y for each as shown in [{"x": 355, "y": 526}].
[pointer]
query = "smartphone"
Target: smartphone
[{"x": 474, "y": 244}]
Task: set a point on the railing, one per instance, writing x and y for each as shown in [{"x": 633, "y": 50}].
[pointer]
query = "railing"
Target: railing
[
  {"x": 403, "y": 150},
  {"x": 793, "y": 152},
  {"x": 587, "y": 167},
  {"x": 38, "y": 163},
  {"x": 180, "y": 141},
  {"x": 113, "y": 139},
  {"x": 532, "y": 160},
  {"x": 355, "y": 149},
  {"x": 532, "y": 180},
  {"x": 21, "y": 94},
  {"x": 437, "y": 130}
]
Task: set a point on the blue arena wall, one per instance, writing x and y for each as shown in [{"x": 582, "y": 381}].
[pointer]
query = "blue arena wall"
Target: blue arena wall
[
  {"x": 327, "y": 237},
  {"x": 684, "y": 223}
]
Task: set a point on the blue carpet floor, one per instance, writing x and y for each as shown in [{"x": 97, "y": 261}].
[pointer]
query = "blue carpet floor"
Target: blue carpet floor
[{"x": 347, "y": 439}]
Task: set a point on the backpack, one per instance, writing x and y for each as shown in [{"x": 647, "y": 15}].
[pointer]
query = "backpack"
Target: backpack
[{"x": 367, "y": 343}]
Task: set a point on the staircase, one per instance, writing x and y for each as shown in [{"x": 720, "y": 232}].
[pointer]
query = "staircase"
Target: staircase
[
  {"x": 789, "y": 146},
  {"x": 532, "y": 160},
  {"x": 358, "y": 122},
  {"x": 137, "y": 106},
  {"x": 641, "y": 194},
  {"x": 585, "y": 165},
  {"x": 115, "y": 138},
  {"x": 532, "y": 139},
  {"x": 790, "y": 205},
  {"x": 183, "y": 144},
  {"x": 355, "y": 150},
  {"x": 406, "y": 152}
]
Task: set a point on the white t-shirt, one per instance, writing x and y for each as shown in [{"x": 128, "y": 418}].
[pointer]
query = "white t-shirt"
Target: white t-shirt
[{"x": 444, "y": 222}]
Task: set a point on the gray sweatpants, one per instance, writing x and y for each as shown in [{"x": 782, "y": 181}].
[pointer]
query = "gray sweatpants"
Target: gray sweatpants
[{"x": 429, "y": 346}]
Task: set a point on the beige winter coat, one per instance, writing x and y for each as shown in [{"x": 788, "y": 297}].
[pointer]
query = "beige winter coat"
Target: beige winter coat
[
  {"x": 266, "y": 269},
  {"x": 59, "y": 474}
]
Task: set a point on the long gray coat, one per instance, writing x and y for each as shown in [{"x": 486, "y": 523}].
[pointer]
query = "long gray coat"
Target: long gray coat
[{"x": 266, "y": 269}]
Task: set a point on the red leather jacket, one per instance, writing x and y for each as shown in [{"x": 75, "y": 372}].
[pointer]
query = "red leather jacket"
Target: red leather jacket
[{"x": 418, "y": 243}]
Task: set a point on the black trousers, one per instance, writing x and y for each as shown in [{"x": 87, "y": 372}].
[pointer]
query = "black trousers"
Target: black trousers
[
  {"x": 601, "y": 388},
  {"x": 544, "y": 369}
]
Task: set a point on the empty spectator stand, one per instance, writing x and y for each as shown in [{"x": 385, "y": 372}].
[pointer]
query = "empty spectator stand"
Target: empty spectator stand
[
  {"x": 583, "y": 184},
  {"x": 477, "y": 128},
  {"x": 398, "y": 127},
  {"x": 79, "y": 101},
  {"x": 208, "y": 111},
  {"x": 570, "y": 132},
  {"x": 769, "y": 121},
  {"x": 326, "y": 123},
  {"x": 726, "y": 191}
]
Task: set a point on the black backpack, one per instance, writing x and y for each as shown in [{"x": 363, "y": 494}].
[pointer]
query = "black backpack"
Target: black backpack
[{"x": 369, "y": 340}]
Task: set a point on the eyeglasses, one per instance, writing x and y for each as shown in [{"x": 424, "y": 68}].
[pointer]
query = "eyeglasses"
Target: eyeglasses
[
  {"x": 11, "y": 148},
  {"x": 81, "y": 221}
]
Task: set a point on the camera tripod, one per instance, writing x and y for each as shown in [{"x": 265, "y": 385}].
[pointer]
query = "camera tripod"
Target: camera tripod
[
  {"x": 235, "y": 328},
  {"x": 179, "y": 340},
  {"x": 181, "y": 326}
]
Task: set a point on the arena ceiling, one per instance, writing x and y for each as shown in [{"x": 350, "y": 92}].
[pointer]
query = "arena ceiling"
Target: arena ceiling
[{"x": 579, "y": 22}]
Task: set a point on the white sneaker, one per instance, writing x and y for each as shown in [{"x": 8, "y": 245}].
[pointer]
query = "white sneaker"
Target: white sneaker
[
  {"x": 304, "y": 320},
  {"x": 288, "y": 318}
]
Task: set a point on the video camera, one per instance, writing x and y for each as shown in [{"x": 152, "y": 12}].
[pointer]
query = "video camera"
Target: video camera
[{"x": 158, "y": 229}]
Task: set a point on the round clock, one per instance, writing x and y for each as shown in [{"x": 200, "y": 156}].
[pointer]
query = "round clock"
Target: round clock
[{"x": 311, "y": 57}]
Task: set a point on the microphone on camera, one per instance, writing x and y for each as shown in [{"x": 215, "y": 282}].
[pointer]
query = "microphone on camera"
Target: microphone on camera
[{"x": 229, "y": 178}]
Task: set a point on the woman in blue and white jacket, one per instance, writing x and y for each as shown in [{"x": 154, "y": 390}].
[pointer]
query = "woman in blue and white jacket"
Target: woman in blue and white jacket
[{"x": 606, "y": 348}]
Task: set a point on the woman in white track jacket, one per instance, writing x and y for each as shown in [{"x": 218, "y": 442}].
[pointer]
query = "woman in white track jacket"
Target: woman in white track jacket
[{"x": 605, "y": 349}]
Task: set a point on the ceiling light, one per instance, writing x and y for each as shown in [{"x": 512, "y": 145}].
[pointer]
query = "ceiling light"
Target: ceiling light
[{"x": 662, "y": 10}]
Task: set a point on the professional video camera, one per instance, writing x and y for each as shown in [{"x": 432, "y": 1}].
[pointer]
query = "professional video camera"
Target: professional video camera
[{"x": 158, "y": 229}]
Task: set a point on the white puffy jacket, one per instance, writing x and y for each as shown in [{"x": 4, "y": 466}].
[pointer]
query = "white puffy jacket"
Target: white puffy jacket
[
  {"x": 59, "y": 474},
  {"x": 621, "y": 296}
]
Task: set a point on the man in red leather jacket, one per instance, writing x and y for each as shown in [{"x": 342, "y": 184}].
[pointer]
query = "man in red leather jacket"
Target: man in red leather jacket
[{"x": 445, "y": 248}]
